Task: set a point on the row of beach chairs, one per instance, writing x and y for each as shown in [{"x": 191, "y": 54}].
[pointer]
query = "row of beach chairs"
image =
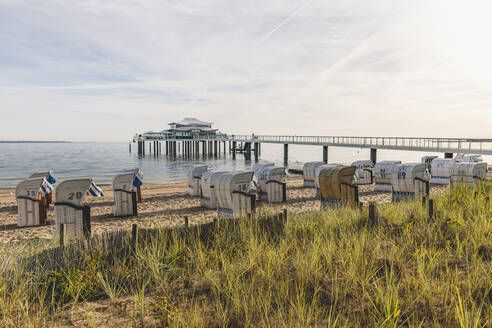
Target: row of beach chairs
[
  {"x": 403, "y": 180},
  {"x": 235, "y": 194},
  {"x": 35, "y": 194}
]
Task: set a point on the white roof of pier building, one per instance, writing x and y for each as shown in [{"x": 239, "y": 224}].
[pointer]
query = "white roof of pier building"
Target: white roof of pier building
[
  {"x": 191, "y": 121},
  {"x": 186, "y": 128},
  {"x": 190, "y": 124}
]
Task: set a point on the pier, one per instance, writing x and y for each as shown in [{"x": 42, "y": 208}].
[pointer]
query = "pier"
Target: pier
[{"x": 251, "y": 144}]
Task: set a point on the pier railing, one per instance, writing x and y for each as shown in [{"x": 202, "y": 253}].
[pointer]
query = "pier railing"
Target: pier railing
[{"x": 451, "y": 145}]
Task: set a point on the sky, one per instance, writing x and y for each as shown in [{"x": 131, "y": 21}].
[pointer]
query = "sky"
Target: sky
[{"x": 105, "y": 70}]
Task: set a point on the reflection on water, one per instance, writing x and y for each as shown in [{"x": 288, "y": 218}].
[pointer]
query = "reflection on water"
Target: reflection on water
[{"x": 102, "y": 161}]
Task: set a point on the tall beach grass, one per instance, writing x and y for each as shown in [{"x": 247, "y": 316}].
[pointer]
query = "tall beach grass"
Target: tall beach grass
[{"x": 331, "y": 268}]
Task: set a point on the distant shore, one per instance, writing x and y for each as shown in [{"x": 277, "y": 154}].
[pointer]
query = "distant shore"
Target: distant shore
[{"x": 30, "y": 141}]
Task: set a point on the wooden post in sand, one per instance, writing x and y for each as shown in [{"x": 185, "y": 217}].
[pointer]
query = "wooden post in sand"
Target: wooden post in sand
[
  {"x": 431, "y": 209},
  {"x": 134, "y": 237},
  {"x": 62, "y": 235},
  {"x": 186, "y": 222},
  {"x": 372, "y": 212}
]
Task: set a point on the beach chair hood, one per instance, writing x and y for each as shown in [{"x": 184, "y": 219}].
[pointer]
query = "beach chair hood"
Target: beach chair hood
[
  {"x": 33, "y": 188},
  {"x": 73, "y": 192},
  {"x": 50, "y": 176}
]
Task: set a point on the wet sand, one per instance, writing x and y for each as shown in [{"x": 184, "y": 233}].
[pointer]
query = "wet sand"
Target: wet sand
[{"x": 163, "y": 205}]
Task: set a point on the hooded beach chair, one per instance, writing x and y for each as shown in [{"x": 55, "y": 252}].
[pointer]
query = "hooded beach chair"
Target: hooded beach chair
[
  {"x": 409, "y": 181},
  {"x": 137, "y": 185},
  {"x": 233, "y": 194},
  {"x": 427, "y": 160},
  {"x": 51, "y": 179},
  {"x": 194, "y": 176},
  {"x": 382, "y": 175},
  {"x": 336, "y": 186},
  {"x": 70, "y": 209},
  {"x": 317, "y": 172},
  {"x": 271, "y": 186},
  {"x": 31, "y": 195},
  {"x": 208, "y": 193},
  {"x": 364, "y": 173},
  {"x": 125, "y": 186},
  {"x": 441, "y": 171},
  {"x": 308, "y": 173},
  {"x": 467, "y": 173}
]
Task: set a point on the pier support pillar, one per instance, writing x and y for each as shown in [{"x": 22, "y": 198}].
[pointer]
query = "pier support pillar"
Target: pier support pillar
[
  {"x": 374, "y": 157},
  {"x": 167, "y": 148},
  {"x": 257, "y": 151},
  {"x": 224, "y": 147},
  {"x": 247, "y": 150},
  {"x": 286, "y": 154},
  {"x": 448, "y": 155},
  {"x": 325, "y": 154},
  {"x": 215, "y": 148},
  {"x": 234, "y": 150}
]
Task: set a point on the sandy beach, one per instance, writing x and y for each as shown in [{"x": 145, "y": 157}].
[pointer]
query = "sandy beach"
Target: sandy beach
[{"x": 163, "y": 205}]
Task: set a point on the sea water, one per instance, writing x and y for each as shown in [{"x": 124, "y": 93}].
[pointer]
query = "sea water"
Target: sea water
[{"x": 103, "y": 160}]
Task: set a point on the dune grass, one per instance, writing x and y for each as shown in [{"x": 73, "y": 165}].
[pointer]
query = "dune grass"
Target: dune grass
[{"x": 331, "y": 268}]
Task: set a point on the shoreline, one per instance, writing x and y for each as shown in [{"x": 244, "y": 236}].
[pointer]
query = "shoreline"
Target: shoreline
[{"x": 163, "y": 205}]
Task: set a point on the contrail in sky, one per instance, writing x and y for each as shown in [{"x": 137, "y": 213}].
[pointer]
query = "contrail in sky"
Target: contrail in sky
[
  {"x": 286, "y": 20},
  {"x": 263, "y": 39}
]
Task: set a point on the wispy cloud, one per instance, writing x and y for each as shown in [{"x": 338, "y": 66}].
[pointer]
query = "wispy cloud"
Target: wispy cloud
[{"x": 298, "y": 66}]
